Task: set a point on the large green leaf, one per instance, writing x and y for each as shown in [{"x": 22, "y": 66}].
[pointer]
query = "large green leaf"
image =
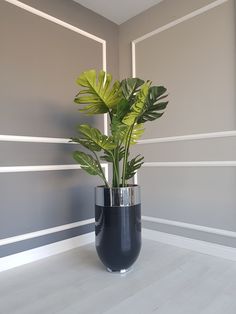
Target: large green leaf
[
  {"x": 87, "y": 144},
  {"x": 138, "y": 107},
  {"x": 97, "y": 93},
  {"x": 153, "y": 107},
  {"x": 117, "y": 126},
  {"x": 94, "y": 136},
  {"x": 88, "y": 163},
  {"x": 122, "y": 109},
  {"x": 137, "y": 132},
  {"x": 108, "y": 157},
  {"x": 132, "y": 166},
  {"x": 120, "y": 132},
  {"x": 130, "y": 87}
]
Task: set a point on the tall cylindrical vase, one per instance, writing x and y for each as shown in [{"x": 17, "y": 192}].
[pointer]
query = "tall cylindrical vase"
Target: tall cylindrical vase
[{"x": 118, "y": 226}]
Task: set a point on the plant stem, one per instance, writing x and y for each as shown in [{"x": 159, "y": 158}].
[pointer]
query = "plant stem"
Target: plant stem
[
  {"x": 127, "y": 144},
  {"x": 110, "y": 115},
  {"x": 100, "y": 167},
  {"x": 118, "y": 166},
  {"x": 115, "y": 180}
]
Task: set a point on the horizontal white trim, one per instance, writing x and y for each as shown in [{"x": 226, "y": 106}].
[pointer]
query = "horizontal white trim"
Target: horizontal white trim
[
  {"x": 42, "y": 168},
  {"x": 185, "y": 225},
  {"x": 43, "y": 232},
  {"x": 36, "y": 254},
  {"x": 174, "y": 223},
  {"x": 35, "y": 139},
  {"x": 187, "y": 137},
  {"x": 55, "y": 20},
  {"x": 204, "y": 247},
  {"x": 57, "y": 140},
  {"x": 224, "y": 163},
  {"x": 180, "y": 20}
]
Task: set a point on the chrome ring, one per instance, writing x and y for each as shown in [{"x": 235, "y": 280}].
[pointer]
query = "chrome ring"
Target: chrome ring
[{"x": 123, "y": 196}]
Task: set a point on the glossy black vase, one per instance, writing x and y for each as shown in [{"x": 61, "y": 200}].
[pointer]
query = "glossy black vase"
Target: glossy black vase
[{"x": 118, "y": 226}]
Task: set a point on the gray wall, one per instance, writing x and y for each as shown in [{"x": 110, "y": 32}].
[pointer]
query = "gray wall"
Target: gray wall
[
  {"x": 195, "y": 60},
  {"x": 39, "y": 63}
]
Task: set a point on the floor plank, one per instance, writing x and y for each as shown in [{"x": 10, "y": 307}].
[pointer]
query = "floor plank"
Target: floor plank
[{"x": 164, "y": 280}]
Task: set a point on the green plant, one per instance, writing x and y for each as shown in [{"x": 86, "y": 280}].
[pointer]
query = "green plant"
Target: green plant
[{"x": 129, "y": 104}]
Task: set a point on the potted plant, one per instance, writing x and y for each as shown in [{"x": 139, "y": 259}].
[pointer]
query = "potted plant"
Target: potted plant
[{"x": 129, "y": 104}]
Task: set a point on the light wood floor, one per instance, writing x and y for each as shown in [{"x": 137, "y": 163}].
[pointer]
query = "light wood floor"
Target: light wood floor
[{"x": 165, "y": 280}]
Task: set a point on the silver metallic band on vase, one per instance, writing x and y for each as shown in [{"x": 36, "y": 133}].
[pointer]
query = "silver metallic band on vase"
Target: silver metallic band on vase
[{"x": 120, "y": 197}]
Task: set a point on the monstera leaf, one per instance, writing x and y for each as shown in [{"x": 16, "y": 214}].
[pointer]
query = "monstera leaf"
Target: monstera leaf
[
  {"x": 129, "y": 104},
  {"x": 108, "y": 156},
  {"x": 130, "y": 87},
  {"x": 87, "y": 144},
  {"x": 153, "y": 107},
  {"x": 118, "y": 128},
  {"x": 136, "y": 134},
  {"x": 120, "y": 131},
  {"x": 88, "y": 163},
  {"x": 132, "y": 166},
  {"x": 97, "y": 94},
  {"x": 94, "y": 139},
  {"x": 138, "y": 107}
]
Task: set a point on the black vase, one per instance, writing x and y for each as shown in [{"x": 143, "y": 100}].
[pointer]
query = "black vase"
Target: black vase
[{"x": 118, "y": 226}]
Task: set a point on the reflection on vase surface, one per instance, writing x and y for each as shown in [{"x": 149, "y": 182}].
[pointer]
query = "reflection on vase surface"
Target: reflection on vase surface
[{"x": 118, "y": 235}]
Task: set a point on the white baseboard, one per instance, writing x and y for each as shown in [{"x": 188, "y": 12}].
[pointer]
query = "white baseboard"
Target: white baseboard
[
  {"x": 221, "y": 232},
  {"x": 204, "y": 247},
  {"x": 36, "y": 254},
  {"x": 43, "y": 232}
]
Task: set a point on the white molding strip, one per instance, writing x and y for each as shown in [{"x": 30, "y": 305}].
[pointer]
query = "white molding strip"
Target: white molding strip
[
  {"x": 35, "y": 139},
  {"x": 174, "y": 223},
  {"x": 57, "y": 21},
  {"x": 188, "y": 137},
  {"x": 39, "y": 253},
  {"x": 222, "y": 232},
  {"x": 43, "y": 232},
  {"x": 133, "y": 58},
  {"x": 204, "y": 247},
  {"x": 157, "y": 31},
  {"x": 169, "y": 25},
  {"x": 42, "y": 168},
  {"x": 57, "y": 140},
  {"x": 106, "y": 169},
  {"x": 180, "y": 20},
  {"x": 224, "y": 163},
  {"x": 36, "y": 254}
]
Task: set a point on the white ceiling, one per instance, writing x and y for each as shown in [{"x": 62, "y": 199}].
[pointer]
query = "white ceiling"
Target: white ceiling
[{"x": 118, "y": 11}]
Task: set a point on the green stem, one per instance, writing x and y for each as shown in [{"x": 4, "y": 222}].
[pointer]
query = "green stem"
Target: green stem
[
  {"x": 118, "y": 165},
  {"x": 100, "y": 167},
  {"x": 127, "y": 144},
  {"x": 110, "y": 115},
  {"x": 115, "y": 180}
]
